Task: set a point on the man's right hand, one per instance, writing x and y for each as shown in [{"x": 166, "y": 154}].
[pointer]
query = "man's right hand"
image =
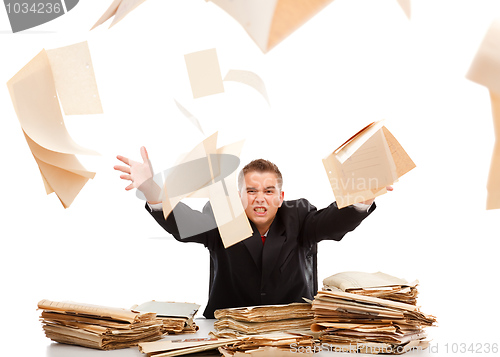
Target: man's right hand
[{"x": 141, "y": 175}]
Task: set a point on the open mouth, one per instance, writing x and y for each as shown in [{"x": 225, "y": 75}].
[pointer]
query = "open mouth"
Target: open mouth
[{"x": 260, "y": 210}]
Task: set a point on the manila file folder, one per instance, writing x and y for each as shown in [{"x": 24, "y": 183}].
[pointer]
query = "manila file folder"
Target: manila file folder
[{"x": 362, "y": 167}]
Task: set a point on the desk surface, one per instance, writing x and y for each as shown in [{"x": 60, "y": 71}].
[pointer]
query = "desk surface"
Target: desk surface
[{"x": 62, "y": 350}]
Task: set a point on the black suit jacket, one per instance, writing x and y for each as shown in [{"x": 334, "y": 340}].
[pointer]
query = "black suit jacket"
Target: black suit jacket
[{"x": 283, "y": 270}]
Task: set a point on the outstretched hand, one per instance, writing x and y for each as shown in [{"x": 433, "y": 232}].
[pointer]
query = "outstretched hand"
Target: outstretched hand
[{"x": 141, "y": 175}]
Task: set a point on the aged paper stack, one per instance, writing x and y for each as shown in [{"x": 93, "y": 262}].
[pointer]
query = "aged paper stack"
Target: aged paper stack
[
  {"x": 99, "y": 327},
  {"x": 378, "y": 284},
  {"x": 370, "y": 313},
  {"x": 275, "y": 329},
  {"x": 177, "y": 317},
  {"x": 166, "y": 348},
  {"x": 270, "y": 344},
  {"x": 262, "y": 319}
]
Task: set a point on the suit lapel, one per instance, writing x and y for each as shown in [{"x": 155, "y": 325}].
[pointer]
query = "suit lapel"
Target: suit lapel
[
  {"x": 272, "y": 248},
  {"x": 254, "y": 246}
]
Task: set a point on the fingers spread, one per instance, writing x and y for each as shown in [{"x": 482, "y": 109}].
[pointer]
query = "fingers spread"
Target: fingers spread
[
  {"x": 123, "y": 159},
  {"x": 125, "y": 169}
]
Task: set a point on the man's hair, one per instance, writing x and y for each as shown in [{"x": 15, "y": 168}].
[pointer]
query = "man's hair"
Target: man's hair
[{"x": 260, "y": 165}]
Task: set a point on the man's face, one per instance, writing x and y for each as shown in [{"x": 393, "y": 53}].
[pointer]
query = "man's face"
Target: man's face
[{"x": 261, "y": 198}]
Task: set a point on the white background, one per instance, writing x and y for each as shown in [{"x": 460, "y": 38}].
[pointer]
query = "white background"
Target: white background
[{"x": 355, "y": 62}]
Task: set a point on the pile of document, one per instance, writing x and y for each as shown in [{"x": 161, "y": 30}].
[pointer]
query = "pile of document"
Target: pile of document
[
  {"x": 378, "y": 284},
  {"x": 95, "y": 326},
  {"x": 260, "y": 330},
  {"x": 169, "y": 348},
  {"x": 270, "y": 344},
  {"x": 369, "y": 313},
  {"x": 262, "y": 319},
  {"x": 177, "y": 317}
]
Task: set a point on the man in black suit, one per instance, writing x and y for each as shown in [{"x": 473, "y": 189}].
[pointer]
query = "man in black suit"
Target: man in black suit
[{"x": 278, "y": 263}]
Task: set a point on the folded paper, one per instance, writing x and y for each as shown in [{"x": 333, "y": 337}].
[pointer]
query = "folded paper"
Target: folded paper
[
  {"x": 209, "y": 172},
  {"x": 268, "y": 22},
  {"x": 485, "y": 70},
  {"x": 66, "y": 72},
  {"x": 362, "y": 167},
  {"x": 119, "y": 9}
]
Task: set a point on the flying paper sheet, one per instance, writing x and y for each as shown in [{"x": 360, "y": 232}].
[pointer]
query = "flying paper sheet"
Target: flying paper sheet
[
  {"x": 406, "y": 7},
  {"x": 34, "y": 91},
  {"x": 209, "y": 172},
  {"x": 362, "y": 167},
  {"x": 485, "y": 70},
  {"x": 119, "y": 9},
  {"x": 268, "y": 22},
  {"x": 204, "y": 73},
  {"x": 75, "y": 79},
  {"x": 189, "y": 116},
  {"x": 250, "y": 79}
]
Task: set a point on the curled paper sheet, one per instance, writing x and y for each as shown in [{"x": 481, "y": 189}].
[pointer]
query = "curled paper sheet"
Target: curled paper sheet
[
  {"x": 119, "y": 9},
  {"x": 34, "y": 91},
  {"x": 268, "y": 22},
  {"x": 249, "y": 78},
  {"x": 406, "y": 7},
  {"x": 209, "y": 172},
  {"x": 206, "y": 79},
  {"x": 189, "y": 116},
  {"x": 204, "y": 73},
  {"x": 485, "y": 70}
]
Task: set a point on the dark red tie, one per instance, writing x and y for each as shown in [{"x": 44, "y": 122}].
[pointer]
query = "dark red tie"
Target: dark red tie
[{"x": 263, "y": 239}]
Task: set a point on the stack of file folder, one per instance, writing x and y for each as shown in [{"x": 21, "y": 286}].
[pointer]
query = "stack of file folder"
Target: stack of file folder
[
  {"x": 378, "y": 284},
  {"x": 177, "y": 317},
  {"x": 263, "y": 319},
  {"x": 99, "y": 327},
  {"x": 171, "y": 348},
  {"x": 370, "y": 313},
  {"x": 270, "y": 344},
  {"x": 263, "y": 330}
]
